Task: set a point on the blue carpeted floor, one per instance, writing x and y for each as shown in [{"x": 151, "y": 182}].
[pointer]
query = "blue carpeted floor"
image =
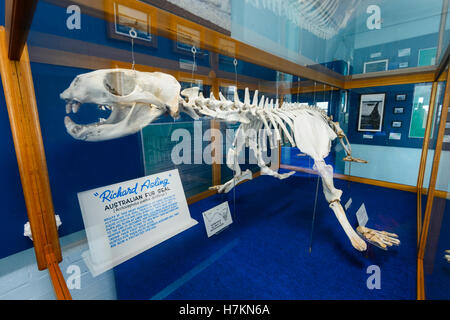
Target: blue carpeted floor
[{"x": 264, "y": 254}]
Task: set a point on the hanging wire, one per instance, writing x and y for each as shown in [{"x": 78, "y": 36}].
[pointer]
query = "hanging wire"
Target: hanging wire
[
  {"x": 235, "y": 63},
  {"x": 314, "y": 99},
  {"x": 314, "y": 215},
  {"x": 194, "y": 51},
  {"x": 314, "y": 103},
  {"x": 277, "y": 83},
  {"x": 317, "y": 188},
  {"x": 331, "y": 100},
  {"x": 324, "y": 100},
  {"x": 133, "y": 35}
]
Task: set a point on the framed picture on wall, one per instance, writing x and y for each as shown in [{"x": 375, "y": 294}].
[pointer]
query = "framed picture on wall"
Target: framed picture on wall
[
  {"x": 396, "y": 124},
  {"x": 371, "y": 109},
  {"x": 400, "y": 97},
  {"x": 399, "y": 110},
  {"x": 375, "y": 66},
  {"x": 187, "y": 38},
  {"x": 136, "y": 22}
]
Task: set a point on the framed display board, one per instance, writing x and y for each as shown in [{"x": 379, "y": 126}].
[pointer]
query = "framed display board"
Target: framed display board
[
  {"x": 371, "y": 109},
  {"x": 375, "y": 66},
  {"x": 126, "y": 19}
]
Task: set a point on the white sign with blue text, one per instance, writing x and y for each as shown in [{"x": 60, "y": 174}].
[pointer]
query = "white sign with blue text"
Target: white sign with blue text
[{"x": 127, "y": 218}]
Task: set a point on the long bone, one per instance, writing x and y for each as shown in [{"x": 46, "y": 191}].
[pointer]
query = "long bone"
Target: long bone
[{"x": 274, "y": 124}]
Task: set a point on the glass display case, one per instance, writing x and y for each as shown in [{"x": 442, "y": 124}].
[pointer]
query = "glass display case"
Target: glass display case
[{"x": 233, "y": 149}]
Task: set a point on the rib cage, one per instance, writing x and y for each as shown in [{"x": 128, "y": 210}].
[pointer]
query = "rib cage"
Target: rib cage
[{"x": 260, "y": 112}]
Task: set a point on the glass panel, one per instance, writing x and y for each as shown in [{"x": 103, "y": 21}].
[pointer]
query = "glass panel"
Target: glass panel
[
  {"x": 393, "y": 155},
  {"x": 158, "y": 141},
  {"x": 446, "y": 33},
  {"x": 437, "y": 256},
  {"x": 351, "y": 37},
  {"x": 19, "y": 275},
  {"x": 138, "y": 126}
]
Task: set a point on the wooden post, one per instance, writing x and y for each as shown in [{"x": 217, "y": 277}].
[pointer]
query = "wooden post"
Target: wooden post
[
  {"x": 423, "y": 158},
  {"x": 26, "y": 132},
  {"x": 18, "y": 18},
  {"x": 214, "y": 124}
]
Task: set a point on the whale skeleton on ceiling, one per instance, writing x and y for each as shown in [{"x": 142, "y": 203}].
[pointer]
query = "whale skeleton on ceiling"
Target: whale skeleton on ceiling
[
  {"x": 324, "y": 18},
  {"x": 138, "y": 98}
]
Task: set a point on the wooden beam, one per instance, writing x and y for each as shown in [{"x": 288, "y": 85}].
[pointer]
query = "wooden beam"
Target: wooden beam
[
  {"x": 18, "y": 18},
  {"x": 437, "y": 193},
  {"x": 59, "y": 283},
  {"x": 417, "y": 75},
  {"x": 423, "y": 158},
  {"x": 420, "y": 280},
  {"x": 26, "y": 132}
]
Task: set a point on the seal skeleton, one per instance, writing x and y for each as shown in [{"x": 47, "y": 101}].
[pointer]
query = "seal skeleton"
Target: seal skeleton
[{"x": 138, "y": 98}]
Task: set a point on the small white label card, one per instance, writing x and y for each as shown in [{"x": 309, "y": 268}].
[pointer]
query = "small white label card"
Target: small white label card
[
  {"x": 187, "y": 64},
  {"x": 375, "y": 55},
  {"x": 367, "y": 136},
  {"x": 361, "y": 215},
  {"x": 395, "y": 136},
  {"x": 217, "y": 218},
  {"x": 404, "y": 52},
  {"x": 348, "y": 204}
]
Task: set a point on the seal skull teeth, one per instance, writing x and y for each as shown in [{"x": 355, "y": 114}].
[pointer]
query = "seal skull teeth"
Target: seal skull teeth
[{"x": 73, "y": 105}]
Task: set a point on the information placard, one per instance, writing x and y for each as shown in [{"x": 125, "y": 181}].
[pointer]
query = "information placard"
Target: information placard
[
  {"x": 127, "y": 218},
  {"x": 362, "y": 216},
  {"x": 217, "y": 218}
]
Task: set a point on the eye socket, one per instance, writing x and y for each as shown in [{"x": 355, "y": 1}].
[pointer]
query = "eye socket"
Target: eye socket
[{"x": 119, "y": 83}]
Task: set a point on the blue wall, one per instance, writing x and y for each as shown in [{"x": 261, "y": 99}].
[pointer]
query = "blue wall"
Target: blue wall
[
  {"x": 14, "y": 214},
  {"x": 382, "y": 138},
  {"x": 390, "y": 51}
]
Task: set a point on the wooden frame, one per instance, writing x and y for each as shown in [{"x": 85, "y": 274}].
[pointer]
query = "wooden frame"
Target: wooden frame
[{"x": 18, "y": 17}]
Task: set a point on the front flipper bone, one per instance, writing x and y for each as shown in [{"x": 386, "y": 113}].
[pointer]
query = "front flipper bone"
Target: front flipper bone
[
  {"x": 381, "y": 239},
  {"x": 351, "y": 159}
]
